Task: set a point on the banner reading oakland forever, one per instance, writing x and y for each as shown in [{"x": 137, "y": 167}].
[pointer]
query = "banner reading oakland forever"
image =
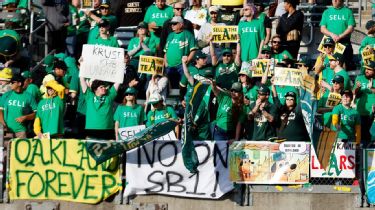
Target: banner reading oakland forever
[{"x": 60, "y": 170}]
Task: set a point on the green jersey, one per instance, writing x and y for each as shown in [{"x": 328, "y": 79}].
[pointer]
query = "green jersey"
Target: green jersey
[
  {"x": 110, "y": 42},
  {"x": 128, "y": 116},
  {"x": 280, "y": 56},
  {"x": 251, "y": 35},
  {"x": 348, "y": 118},
  {"x": 337, "y": 20},
  {"x": 365, "y": 97},
  {"x": 263, "y": 129},
  {"x": 34, "y": 91},
  {"x": 74, "y": 15},
  {"x": 178, "y": 45},
  {"x": 251, "y": 92},
  {"x": 281, "y": 91},
  {"x": 15, "y": 105},
  {"x": 99, "y": 110},
  {"x": 84, "y": 24},
  {"x": 149, "y": 42},
  {"x": 224, "y": 117},
  {"x": 226, "y": 74},
  {"x": 112, "y": 23},
  {"x": 51, "y": 114},
  {"x": 159, "y": 16},
  {"x": 156, "y": 116}
]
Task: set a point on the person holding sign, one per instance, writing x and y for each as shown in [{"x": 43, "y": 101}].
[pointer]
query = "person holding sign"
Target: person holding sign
[
  {"x": 104, "y": 37},
  {"x": 322, "y": 62},
  {"x": 338, "y": 22},
  {"x": 129, "y": 113},
  {"x": 99, "y": 108},
  {"x": 346, "y": 120},
  {"x": 50, "y": 112},
  {"x": 251, "y": 34},
  {"x": 369, "y": 40},
  {"x": 365, "y": 98}
]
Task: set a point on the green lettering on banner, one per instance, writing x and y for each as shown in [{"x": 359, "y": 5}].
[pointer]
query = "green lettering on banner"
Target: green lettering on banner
[
  {"x": 65, "y": 163},
  {"x": 18, "y": 180},
  {"x": 61, "y": 184},
  {"x": 53, "y": 151},
  {"x": 36, "y": 152},
  {"x": 17, "y": 155},
  {"x": 88, "y": 187},
  {"x": 226, "y": 34},
  {"x": 105, "y": 186},
  {"x": 74, "y": 191},
  {"x": 48, "y": 181},
  {"x": 40, "y": 185},
  {"x": 152, "y": 66},
  {"x": 85, "y": 157}
]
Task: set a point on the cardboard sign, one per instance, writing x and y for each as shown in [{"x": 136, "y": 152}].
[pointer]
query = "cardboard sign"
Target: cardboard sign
[
  {"x": 368, "y": 55},
  {"x": 227, "y": 3},
  {"x": 339, "y": 48},
  {"x": 333, "y": 99},
  {"x": 128, "y": 132},
  {"x": 59, "y": 170},
  {"x": 369, "y": 171},
  {"x": 288, "y": 76},
  {"x": 341, "y": 163},
  {"x": 102, "y": 63},
  {"x": 150, "y": 65},
  {"x": 308, "y": 83},
  {"x": 87, "y": 4},
  {"x": 262, "y": 162},
  {"x": 224, "y": 34},
  {"x": 158, "y": 168},
  {"x": 260, "y": 66}
]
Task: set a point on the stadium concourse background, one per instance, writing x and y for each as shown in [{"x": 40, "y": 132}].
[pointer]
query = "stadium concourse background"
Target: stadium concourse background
[{"x": 321, "y": 194}]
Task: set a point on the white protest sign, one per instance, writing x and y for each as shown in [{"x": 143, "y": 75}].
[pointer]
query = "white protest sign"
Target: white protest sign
[
  {"x": 157, "y": 168},
  {"x": 131, "y": 131},
  {"x": 341, "y": 166},
  {"x": 289, "y": 76},
  {"x": 102, "y": 63}
]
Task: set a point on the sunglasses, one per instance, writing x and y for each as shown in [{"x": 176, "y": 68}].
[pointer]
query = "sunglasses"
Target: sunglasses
[
  {"x": 246, "y": 9},
  {"x": 129, "y": 94},
  {"x": 276, "y": 42},
  {"x": 289, "y": 99},
  {"x": 173, "y": 24},
  {"x": 213, "y": 13},
  {"x": 13, "y": 82},
  {"x": 235, "y": 91},
  {"x": 180, "y": 9},
  {"x": 227, "y": 55},
  {"x": 104, "y": 8},
  {"x": 328, "y": 46}
]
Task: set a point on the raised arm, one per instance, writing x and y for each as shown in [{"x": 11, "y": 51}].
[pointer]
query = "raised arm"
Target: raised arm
[{"x": 188, "y": 76}]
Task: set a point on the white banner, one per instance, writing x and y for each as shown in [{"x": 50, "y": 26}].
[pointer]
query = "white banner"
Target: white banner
[
  {"x": 131, "y": 131},
  {"x": 102, "y": 63},
  {"x": 342, "y": 166},
  {"x": 157, "y": 168}
]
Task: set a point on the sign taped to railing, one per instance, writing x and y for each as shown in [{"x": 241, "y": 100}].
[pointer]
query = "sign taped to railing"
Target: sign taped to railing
[
  {"x": 157, "y": 168},
  {"x": 128, "y": 132}
]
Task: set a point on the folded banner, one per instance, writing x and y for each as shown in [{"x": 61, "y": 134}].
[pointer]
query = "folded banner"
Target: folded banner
[
  {"x": 102, "y": 150},
  {"x": 60, "y": 170},
  {"x": 369, "y": 173},
  {"x": 157, "y": 168}
]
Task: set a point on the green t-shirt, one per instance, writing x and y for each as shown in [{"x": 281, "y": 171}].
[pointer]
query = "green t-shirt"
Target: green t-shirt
[
  {"x": 110, "y": 42},
  {"x": 337, "y": 20},
  {"x": 365, "y": 98},
  {"x": 81, "y": 105},
  {"x": 112, "y": 26},
  {"x": 226, "y": 74},
  {"x": 327, "y": 75},
  {"x": 348, "y": 118},
  {"x": 263, "y": 129},
  {"x": 224, "y": 116},
  {"x": 128, "y": 116},
  {"x": 159, "y": 16},
  {"x": 51, "y": 114},
  {"x": 251, "y": 34},
  {"x": 74, "y": 15},
  {"x": 368, "y": 40},
  {"x": 149, "y": 42},
  {"x": 281, "y": 91},
  {"x": 15, "y": 105},
  {"x": 99, "y": 110},
  {"x": 251, "y": 93},
  {"x": 34, "y": 91},
  {"x": 157, "y": 116},
  {"x": 280, "y": 56},
  {"x": 84, "y": 24},
  {"x": 178, "y": 45}
]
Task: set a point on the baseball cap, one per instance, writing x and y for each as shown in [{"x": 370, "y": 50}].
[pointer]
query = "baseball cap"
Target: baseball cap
[
  {"x": 200, "y": 54},
  {"x": 370, "y": 65},
  {"x": 131, "y": 90},
  {"x": 328, "y": 41},
  {"x": 154, "y": 98},
  {"x": 6, "y": 74},
  {"x": 291, "y": 94},
  {"x": 237, "y": 87},
  {"x": 264, "y": 89},
  {"x": 370, "y": 24},
  {"x": 336, "y": 56},
  {"x": 338, "y": 78},
  {"x": 17, "y": 78},
  {"x": 104, "y": 23},
  {"x": 266, "y": 48},
  {"x": 104, "y": 4},
  {"x": 177, "y": 19},
  {"x": 245, "y": 72},
  {"x": 226, "y": 51},
  {"x": 142, "y": 25},
  {"x": 213, "y": 9},
  {"x": 348, "y": 93},
  {"x": 26, "y": 74}
]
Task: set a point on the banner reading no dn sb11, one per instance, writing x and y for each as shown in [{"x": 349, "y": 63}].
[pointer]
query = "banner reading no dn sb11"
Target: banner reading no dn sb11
[{"x": 60, "y": 170}]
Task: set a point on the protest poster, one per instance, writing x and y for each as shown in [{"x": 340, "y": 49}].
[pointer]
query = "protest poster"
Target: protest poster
[
  {"x": 288, "y": 76},
  {"x": 150, "y": 65},
  {"x": 369, "y": 171},
  {"x": 308, "y": 83},
  {"x": 339, "y": 48},
  {"x": 128, "y": 132},
  {"x": 87, "y": 4},
  {"x": 102, "y": 63},
  {"x": 260, "y": 66},
  {"x": 368, "y": 55},
  {"x": 263, "y": 162},
  {"x": 60, "y": 170},
  {"x": 333, "y": 99},
  {"x": 227, "y": 3},
  {"x": 341, "y": 163},
  {"x": 224, "y": 34},
  {"x": 158, "y": 168}
]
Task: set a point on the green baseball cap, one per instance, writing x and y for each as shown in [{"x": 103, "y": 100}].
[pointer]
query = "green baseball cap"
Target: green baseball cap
[
  {"x": 329, "y": 41},
  {"x": 26, "y": 74},
  {"x": 338, "y": 79},
  {"x": 131, "y": 90},
  {"x": 263, "y": 89},
  {"x": 266, "y": 48},
  {"x": 226, "y": 51}
]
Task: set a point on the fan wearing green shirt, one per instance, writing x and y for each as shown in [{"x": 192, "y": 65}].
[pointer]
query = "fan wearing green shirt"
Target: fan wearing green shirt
[
  {"x": 104, "y": 37},
  {"x": 346, "y": 120},
  {"x": 157, "y": 14},
  {"x": 338, "y": 22},
  {"x": 277, "y": 51},
  {"x": 30, "y": 87},
  {"x": 17, "y": 107},
  {"x": 365, "y": 98},
  {"x": 335, "y": 63},
  {"x": 50, "y": 113},
  {"x": 129, "y": 113},
  {"x": 99, "y": 97},
  {"x": 104, "y": 14}
]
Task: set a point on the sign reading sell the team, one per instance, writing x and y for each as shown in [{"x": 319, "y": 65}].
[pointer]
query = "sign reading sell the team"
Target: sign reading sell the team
[
  {"x": 339, "y": 48},
  {"x": 224, "y": 34},
  {"x": 102, "y": 63},
  {"x": 288, "y": 76},
  {"x": 260, "y": 66},
  {"x": 368, "y": 55},
  {"x": 333, "y": 99},
  {"x": 150, "y": 65}
]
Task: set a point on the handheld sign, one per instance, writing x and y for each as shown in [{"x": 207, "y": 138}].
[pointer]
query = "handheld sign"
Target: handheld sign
[
  {"x": 339, "y": 48},
  {"x": 288, "y": 76},
  {"x": 261, "y": 65},
  {"x": 87, "y": 4},
  {"x": 150, "y": 65},
  {"x": 102, "y": 63},
  {"x": 224, "y": 34},
  {"x": 368, "y": 55},
  {"x": 333, "y": 99}
]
